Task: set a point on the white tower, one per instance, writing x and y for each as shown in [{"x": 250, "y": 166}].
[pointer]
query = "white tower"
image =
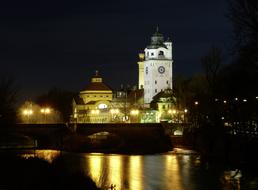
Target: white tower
[{"x": 157, "y": 66}]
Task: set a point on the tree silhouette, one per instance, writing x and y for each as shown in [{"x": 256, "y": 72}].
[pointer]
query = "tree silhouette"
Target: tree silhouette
[{"x": 8, "y": 98}]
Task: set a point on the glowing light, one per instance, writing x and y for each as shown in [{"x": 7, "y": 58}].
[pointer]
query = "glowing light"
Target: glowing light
[
  {"x": 45, "y": 110},
  {"x": 244, "y": 100},
  {"x": 185, "y": 110},
  {"x": 114, "y": 111},
  {"x": 95, "y": 112},
  {"x": 196, "y": 102},
  {"x": 135, "y": 172},
  {"x": 225, "y": 101},
  {"x": 95, "y": 165},
  {"x": 115, "y": 171},
  {"x": 134, "y": 112},
  {"x": 102, "y": 106},
  {"x": 236, "y": 99},
  {"x": 27, "y": 112}
]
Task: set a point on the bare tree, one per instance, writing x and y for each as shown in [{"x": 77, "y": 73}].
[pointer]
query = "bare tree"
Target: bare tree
[
  {"x": 244, "y": 16},
  {"x": 8, "y": 98},
  {"x": 211, "y": 63}
]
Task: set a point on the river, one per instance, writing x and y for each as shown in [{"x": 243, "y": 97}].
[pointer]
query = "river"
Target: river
[{"x": 176, "y": 170}]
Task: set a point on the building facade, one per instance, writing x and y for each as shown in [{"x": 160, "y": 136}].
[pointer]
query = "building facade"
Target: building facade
[{"x": 93, "y": 103}]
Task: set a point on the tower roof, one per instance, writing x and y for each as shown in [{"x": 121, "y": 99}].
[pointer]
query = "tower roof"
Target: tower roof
[{"x": 157, "y": 40}]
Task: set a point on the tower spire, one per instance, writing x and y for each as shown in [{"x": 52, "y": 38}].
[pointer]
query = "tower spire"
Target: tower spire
[{"x": 157, "y": 28}]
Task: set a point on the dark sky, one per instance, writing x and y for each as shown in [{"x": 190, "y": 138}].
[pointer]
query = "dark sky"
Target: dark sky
[{"x": 46, "y": 43}]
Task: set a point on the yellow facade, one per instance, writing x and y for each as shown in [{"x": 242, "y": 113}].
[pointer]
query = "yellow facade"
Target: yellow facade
[{"x": 93, "y": 103}]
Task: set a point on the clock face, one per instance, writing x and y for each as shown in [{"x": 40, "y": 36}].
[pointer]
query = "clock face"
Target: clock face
[{"x": 161, "y": 69}]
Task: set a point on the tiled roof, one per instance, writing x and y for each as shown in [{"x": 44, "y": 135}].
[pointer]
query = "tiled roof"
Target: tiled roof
[{"x": 97, "y": 86}]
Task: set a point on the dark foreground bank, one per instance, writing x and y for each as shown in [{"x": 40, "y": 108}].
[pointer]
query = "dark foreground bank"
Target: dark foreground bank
[{"x": 34, "y": 173}]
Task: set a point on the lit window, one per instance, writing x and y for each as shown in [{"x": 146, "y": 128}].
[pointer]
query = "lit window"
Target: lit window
[{"x": 102, "y": 106}]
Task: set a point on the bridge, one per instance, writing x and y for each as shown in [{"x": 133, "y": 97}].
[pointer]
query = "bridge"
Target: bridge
[{"x": 117, "y": 137}]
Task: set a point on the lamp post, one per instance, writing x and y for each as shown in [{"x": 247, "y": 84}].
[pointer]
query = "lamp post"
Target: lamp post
[
  {"x": 27, "y": 113},
  {"x": 185, "y": 112},
  {"x": 45, "y": 112}
]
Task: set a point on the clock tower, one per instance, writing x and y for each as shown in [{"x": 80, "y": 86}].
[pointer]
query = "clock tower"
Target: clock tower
[{"x": 157, "y": 66}]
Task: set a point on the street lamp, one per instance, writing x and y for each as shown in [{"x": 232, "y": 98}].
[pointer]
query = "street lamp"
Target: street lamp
[
  {"x": 27, "y": 113},
  {"x": 45, "y": 111},
  {"x": 185, "y": 112}
]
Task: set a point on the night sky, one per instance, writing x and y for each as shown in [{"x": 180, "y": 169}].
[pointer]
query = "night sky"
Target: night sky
[{"x": 45, "y": 43}]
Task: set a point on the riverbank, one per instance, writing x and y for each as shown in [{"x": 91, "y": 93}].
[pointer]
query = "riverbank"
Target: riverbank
[{"x": 35, "y": 173}]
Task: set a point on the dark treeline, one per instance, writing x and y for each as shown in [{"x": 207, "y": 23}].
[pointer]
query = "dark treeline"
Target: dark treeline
[
  {"x": 227, "y": 92},
  {"x": 223, "y": 99}
]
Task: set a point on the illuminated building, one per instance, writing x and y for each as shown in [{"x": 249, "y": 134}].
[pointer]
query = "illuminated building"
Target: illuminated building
[
  {"x": 93, "y": 103},
  {"x": 157, "y": 63},
  {"x": 165, "y": 103}
]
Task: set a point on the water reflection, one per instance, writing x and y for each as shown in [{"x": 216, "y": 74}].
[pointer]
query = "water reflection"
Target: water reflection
[
  {"x": 135, "y": 173},
  {"x": 115, "y": 171},
  {"x": 149, "y": 172},
  {"x": 48, "y": 155},
  {"x": 139, "y": 172},
  {"x": 172, "y": 173},
  {"x": 96, "y": 167}
]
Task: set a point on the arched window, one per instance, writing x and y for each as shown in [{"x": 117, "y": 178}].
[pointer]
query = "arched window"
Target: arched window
[{"x": 161, "y": 52}]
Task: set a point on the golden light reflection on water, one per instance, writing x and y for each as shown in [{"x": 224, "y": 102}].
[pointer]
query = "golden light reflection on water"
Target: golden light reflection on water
[
  {"x": 48, "y": 155},
  {"x": 115, "y": 170},
  {"x": 172, "y": 173},
  {"x": 106, "y": 170},
  {"x": 135, "y": 173},
  {"x": 96, "y": 167}
]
